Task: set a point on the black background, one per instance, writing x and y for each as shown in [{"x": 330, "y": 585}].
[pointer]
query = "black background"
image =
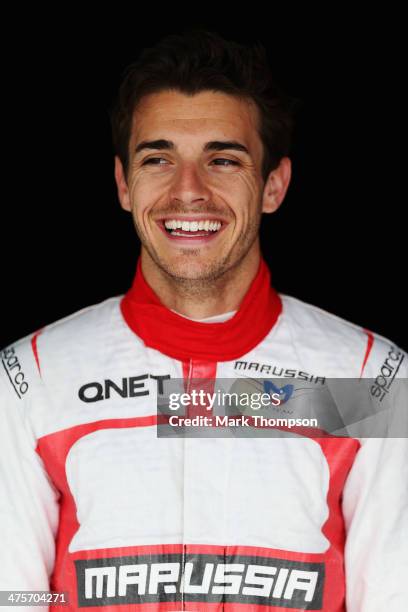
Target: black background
[{"x": 337, "y": 240}]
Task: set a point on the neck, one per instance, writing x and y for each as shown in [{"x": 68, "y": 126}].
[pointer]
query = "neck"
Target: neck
[{"x": 198, "y": 299}]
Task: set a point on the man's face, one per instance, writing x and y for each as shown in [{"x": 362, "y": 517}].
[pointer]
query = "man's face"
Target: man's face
[{"x": 196, "y": 203}]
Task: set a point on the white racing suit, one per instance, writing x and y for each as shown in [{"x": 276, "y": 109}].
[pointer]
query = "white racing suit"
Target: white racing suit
[{"x": 93, "y": 503}]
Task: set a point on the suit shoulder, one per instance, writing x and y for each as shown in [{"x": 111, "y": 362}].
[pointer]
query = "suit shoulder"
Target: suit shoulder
[
  {"x": 340, "y": 341},
  {"x": 26, "y": 360}
]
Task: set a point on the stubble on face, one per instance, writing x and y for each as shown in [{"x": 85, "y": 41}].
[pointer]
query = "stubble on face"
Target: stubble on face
[
  {"x": 200, "y": 271},
  {"x": 209, "y": 276}
]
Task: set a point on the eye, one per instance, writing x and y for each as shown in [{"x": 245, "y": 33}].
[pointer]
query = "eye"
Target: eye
[
  {"x": 153, "y": 159},
  {"x": 230, "y": 161}
]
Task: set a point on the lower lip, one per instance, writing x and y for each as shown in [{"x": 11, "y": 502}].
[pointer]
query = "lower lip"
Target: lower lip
[{"x": 194, "y": 241}]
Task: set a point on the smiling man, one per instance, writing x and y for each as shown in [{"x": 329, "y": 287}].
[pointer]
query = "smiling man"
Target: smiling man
[
  {"x": 99, "y": 499},
  {"x": 196, "y": 192}
]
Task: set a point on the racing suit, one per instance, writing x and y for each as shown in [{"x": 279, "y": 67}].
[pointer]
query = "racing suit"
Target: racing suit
[{"x": 94, "y": 503}]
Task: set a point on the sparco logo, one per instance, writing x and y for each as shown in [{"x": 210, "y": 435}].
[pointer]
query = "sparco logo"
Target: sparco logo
[
  {"x": 14, "y": 372},
  {"x": 388, "y": 371},
  {"x": 274, "y": 370},
  {"x": 210, "y": 578},
  {"x": 128, "y": 387}
]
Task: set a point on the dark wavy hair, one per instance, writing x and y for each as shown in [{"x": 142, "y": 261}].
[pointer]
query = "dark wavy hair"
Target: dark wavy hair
[{"x": 197, "y": 60}]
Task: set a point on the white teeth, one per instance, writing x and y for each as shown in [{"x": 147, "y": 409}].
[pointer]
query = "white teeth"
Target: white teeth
[{"x": 192, "y": 226}]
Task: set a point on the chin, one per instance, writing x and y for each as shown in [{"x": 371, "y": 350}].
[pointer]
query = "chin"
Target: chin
[{"x": 191, "y": 268}]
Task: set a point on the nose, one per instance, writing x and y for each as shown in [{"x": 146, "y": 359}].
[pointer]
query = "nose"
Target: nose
[{"x": 189, "y": 186}]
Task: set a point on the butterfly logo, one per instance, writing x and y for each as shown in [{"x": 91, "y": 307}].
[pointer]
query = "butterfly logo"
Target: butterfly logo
[{"x": 284, "y": 392}]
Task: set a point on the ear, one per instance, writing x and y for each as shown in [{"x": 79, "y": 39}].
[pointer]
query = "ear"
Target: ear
[
  {"x": 276, "y": 186},
  {"x": 123, "y": 191}
]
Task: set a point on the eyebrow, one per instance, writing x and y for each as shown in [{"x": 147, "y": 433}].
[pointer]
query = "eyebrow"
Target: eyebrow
[{"x": 213, "y": 145}]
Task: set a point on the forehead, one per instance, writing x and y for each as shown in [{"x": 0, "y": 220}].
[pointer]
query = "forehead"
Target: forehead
[{"x": 171, "y": 112}]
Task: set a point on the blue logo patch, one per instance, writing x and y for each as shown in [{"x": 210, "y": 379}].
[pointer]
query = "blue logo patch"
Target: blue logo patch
[{"x": 284, "y": 392}]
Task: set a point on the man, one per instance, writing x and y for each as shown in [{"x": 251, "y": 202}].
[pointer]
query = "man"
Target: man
[{"x": 93, "y": 501}]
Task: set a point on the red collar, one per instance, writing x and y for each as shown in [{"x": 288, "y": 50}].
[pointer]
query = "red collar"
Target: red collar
[{"x": 170, "y": 333}]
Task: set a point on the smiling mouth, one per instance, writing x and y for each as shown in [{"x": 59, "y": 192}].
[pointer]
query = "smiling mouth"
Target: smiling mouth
[{"x": 192, "y": 228}]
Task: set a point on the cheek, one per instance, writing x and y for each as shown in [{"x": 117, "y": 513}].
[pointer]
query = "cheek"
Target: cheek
[
  {"x": 244, "y": 187},
  {"x": 243, "y": 194},
  {"x": 142, "y": 201},
  {"x": 251, "y": 185}
]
